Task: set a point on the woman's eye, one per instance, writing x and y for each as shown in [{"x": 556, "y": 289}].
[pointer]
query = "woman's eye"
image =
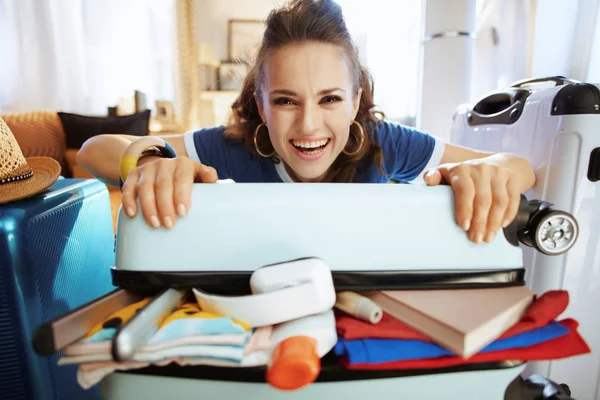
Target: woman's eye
[
  {"x": 331, "y": 99},
  {"x": 282, "y": 101}
]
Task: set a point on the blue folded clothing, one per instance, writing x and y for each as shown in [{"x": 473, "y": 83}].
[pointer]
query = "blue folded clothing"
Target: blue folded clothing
[{"x": 387, "y": 350}]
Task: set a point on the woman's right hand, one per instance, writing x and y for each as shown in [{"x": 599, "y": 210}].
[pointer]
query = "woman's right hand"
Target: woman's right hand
[{"x": 164, "y": 188}]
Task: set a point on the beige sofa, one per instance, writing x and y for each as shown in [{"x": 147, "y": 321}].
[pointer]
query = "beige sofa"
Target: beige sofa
[{"x": 40, "y": 133}]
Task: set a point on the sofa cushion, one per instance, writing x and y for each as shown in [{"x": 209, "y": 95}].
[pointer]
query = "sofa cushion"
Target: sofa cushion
[
  {"x": 79, "y": 128},
  {"x": 39, "y": 133}
]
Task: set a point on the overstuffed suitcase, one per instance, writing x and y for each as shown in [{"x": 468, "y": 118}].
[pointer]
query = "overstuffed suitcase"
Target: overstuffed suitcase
[
  {"x": 371, "y": 236},
  {"x": 554, "y": 123},
  {"x": 55, "y": 251}
]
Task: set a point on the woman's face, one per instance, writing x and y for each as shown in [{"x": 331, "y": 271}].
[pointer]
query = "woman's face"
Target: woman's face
[{"x": 308, "y": 104}]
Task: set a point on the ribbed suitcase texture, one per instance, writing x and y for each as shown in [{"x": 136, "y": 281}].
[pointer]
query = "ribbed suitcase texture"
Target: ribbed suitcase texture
[{"x": 56, "y": 250}]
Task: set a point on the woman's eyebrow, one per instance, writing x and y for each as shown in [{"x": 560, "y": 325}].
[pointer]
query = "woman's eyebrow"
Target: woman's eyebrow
[
  {"x": 287, "y": 92},
  {"x": 328, "y": 91},
  {"x": 284, "y": 92}
]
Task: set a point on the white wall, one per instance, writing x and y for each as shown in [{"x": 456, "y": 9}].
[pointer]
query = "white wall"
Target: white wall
[{"x": 213, "y": 16}]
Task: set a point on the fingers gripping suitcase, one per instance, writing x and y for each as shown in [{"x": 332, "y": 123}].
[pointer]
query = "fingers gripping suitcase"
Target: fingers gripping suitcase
[
  {"x": 56, "y": 250},
  {"x": 555, "y": 124}
]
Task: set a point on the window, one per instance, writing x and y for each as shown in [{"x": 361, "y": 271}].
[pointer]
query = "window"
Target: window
[
  {"x": 82, "y": 56},
  {"x": 129, "y": 46}
]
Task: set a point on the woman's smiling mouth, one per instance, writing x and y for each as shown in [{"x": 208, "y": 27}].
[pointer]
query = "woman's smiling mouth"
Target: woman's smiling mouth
[{"x": 309, "y": 149}]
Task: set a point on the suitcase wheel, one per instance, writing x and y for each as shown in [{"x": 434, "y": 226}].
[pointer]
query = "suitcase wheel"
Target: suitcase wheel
[
  {"x": 555, "y": 232},
  {"x": 549, "y": 231}
]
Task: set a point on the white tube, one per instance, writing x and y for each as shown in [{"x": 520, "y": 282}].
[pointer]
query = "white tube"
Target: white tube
[{"x": 320, "y": 327}]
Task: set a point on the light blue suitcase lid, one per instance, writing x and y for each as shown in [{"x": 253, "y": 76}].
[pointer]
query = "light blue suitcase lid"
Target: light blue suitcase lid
[{"x": 352, "y": 227}]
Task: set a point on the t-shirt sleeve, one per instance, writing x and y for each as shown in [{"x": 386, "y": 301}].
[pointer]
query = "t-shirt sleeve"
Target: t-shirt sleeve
[
  {"x": 228, "y": 157},
  {"x": 407, "y": 152},
  {"x": 209, "y": 147}
]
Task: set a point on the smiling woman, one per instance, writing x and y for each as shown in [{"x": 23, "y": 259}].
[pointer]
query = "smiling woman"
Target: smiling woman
[
  {"x": 306, "y": 114},
  {"x": 307, "y": 85},
  {"x": 308, "y": 97}
]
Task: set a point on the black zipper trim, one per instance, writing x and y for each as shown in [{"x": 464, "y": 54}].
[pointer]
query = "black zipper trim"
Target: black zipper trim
[
  {"x": 331, "y": 371},
  {"x": 237, "y": 282}
]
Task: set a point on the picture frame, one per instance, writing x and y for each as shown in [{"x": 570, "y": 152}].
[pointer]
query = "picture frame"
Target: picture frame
[
  {"x": 244, "y": 37},
  {"x": 164, "y": 110},
  {"x": 232, "y": 75}
]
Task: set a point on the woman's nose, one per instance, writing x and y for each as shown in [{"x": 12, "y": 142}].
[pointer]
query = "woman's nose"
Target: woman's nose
[{"x": 310, "y": 119}]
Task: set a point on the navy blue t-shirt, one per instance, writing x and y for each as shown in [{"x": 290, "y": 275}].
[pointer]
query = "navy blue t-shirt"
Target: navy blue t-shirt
[{"x": 407, "y": 152}]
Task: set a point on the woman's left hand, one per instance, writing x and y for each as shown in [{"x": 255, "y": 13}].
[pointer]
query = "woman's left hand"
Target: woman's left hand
[{"x": 486, "y": 196}]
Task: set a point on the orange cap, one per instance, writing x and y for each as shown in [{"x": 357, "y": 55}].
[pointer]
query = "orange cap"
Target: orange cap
[{"x": 294, "y": 364}]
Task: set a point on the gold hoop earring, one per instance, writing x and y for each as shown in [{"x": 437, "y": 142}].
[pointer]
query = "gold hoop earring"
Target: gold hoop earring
[
  {"x": 362, "y": 140},
  {"x": 256, "y": 144}
]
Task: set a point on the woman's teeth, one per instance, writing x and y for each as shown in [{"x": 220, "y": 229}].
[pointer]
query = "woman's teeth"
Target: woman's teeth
[
  {"x": 311, "y": 152},
  {"x": 309, "y": 145},
  {"x": 310, "y": 148}
]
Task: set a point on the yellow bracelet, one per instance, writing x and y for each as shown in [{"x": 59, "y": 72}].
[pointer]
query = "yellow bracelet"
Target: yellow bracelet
[{"x": 144, "y": 146}]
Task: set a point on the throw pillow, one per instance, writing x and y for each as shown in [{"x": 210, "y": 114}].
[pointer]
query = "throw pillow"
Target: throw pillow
[{"x": 79, "y": 128}]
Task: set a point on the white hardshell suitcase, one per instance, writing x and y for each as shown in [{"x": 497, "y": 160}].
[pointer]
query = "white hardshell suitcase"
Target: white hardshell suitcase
[
  {"x": 251, "y": 225},
  {"x": 556, "y": 128}
]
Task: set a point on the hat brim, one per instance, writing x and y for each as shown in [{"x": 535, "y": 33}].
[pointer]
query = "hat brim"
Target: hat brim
[{"x": 45, "y": 172}]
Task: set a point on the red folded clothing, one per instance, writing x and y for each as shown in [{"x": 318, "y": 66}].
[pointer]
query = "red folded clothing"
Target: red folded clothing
[
  {"x": 569, "y": 345},
  {"x": 541, "y": 312},
  {"x": 351, "y": 328}
]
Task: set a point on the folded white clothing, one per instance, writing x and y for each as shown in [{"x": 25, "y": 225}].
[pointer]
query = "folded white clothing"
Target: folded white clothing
[
  {"x": 88, "y": 348},
  {"x": 229, "y": 353}
]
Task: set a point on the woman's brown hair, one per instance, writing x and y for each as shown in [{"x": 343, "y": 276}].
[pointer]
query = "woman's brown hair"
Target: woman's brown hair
[{"x": 320, "y": 21}]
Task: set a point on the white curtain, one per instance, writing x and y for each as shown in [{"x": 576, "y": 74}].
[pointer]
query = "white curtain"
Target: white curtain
[
  {"x": 43, "y": 55},
  {"x": 84, "y": 55},
  {"x": 130, "y": 46},
  {"x": 564, "y": 30},
  {"x": 593, "y": 72},
  {"x": 518, "y": 39},
  {"x": 504, "y": 38},
  {"x": 591, "y": 53}
]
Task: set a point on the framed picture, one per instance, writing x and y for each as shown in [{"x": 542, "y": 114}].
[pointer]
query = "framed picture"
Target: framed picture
[
  {"x": 164, "y": 110},
  {"x": 231, "y": 75},
  {"x": 244, "y": 37}
]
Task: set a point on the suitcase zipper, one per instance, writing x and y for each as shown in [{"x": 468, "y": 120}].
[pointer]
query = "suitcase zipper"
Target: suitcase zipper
[{"x": 237, "y": 282}]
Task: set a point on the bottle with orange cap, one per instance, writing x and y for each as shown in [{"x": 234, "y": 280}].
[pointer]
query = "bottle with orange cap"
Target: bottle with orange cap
[{"x": 297, "y": 348}]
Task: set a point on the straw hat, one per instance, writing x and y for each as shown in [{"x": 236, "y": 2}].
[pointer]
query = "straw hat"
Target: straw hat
[{"x": 22, "y": 177}]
